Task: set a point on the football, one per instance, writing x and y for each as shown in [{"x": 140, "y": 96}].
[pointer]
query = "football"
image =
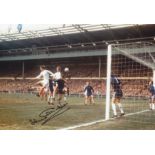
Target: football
[{"x": 66, "y": 69}]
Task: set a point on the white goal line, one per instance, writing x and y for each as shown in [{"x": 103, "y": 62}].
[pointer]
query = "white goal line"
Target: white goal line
[{"x": 99, "y": 121}]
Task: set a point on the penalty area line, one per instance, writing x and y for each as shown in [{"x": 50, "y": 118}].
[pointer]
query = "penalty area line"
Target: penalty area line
[{"x": 99, "y": 121}]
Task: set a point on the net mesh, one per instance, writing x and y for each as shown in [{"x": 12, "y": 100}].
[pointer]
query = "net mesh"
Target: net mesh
[{"x": 134, "y": 65}]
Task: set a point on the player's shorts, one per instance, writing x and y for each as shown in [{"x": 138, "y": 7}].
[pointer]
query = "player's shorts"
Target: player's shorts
[
  {"x": 152, "y": 98},
  {"x": 45, "y": 83},
  {"x": 117, "y": 95},
  {"x": 88, "y": 94},
  {"x": 61, "y": 85},
  {"x": 56, "y": 82},
  {"x": 51, "y": 83}
]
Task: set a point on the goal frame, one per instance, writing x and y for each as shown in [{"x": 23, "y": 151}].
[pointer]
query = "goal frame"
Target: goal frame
[
  {"x": 108, "y": 82},
  {"x": 109, "y": 70}
]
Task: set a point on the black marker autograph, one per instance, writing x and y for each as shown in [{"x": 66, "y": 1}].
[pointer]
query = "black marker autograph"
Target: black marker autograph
[{"x": 49, "y": 114}]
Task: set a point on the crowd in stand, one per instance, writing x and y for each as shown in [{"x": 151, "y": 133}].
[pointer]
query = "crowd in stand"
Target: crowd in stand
[
  {"x": 135, "y": 87},
  {"x": 15, "y": 86},
  {"x": 129, "y": 87}
]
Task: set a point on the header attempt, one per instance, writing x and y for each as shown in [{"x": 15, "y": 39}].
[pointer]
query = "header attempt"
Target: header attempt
[{"x": 11, "y": 32}]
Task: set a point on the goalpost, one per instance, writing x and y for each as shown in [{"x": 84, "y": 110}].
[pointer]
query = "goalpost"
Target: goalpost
[
  {"x": 134, "y": 64},
  {"x": 109, "y": 59}
]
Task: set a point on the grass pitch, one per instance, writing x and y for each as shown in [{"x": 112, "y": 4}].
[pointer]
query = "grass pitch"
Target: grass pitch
[{"x": 16, "y": 111}]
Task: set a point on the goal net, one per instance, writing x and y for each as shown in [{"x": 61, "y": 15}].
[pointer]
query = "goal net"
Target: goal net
[{"x": 133, "y": 64}]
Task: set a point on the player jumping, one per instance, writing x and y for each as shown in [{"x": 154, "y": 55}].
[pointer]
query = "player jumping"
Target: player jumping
[
  {"x": 118, "y": 94},
  {"x": 57, "y": 80},
  {"x": 57, "y": 87},
  {"x": 51, "y": 89},
  {"x": 45, "y": 75}
]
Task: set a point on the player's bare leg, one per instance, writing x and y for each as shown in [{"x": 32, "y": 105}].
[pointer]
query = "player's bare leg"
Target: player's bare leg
[
  {"x": 46, "y": 94},
  {"x": 38, "y": 84},
  {"x": 92, "y": 100},
  {"x": 86, "y": 100},
  {"x": 60, "y": 97},
  {"x": 41, "y": 93},
  {"x": 55, "y": 88},
  {"x": 89, "y": 100},
  {"x": 50, "y": 98}
]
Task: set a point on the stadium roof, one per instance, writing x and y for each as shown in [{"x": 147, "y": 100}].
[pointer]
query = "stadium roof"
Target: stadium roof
[
  {"x": 68, "y": 35},
  {"x": 54, "y": 30}
]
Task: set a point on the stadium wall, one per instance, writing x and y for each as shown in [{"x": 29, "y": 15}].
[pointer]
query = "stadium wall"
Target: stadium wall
[{"x": 69, "y": 54}]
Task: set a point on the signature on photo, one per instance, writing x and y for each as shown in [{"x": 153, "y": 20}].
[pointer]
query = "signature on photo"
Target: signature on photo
[{"x": 49, "y": 114}]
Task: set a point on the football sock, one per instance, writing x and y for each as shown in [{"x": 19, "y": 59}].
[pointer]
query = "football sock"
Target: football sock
[
  {"x": 114, "y": 109},
  {"x": 49, "y": 98},
  {"x": 120, "y": 107},
  {"x": 65, "y": 98}
]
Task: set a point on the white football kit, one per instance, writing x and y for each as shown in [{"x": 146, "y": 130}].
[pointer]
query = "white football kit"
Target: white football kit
[
  {"x": 57, "y": 76},
  {"x": 45, "y": 74}
]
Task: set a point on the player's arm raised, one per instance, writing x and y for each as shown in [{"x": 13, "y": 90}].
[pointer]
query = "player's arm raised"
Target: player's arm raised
[
  {"x": 50, "y": 73},
  {"x": 39, "y": 76}
]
